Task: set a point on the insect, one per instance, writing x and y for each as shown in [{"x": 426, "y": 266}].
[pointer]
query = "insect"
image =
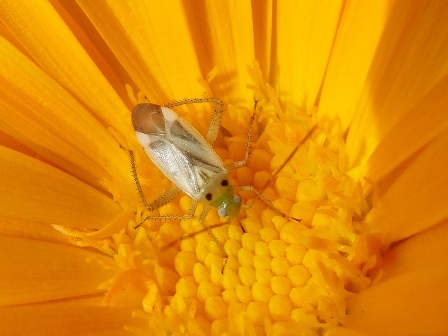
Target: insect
[{"x": 186, "y": 158}]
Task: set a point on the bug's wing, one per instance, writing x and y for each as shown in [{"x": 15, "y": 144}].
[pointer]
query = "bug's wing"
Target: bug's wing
[
  {"x": 199, "y": 162},
  {"x": 177, "y": 148},
  {"x": 183, "y": 155},
  {"x": 171, "y": 162}
]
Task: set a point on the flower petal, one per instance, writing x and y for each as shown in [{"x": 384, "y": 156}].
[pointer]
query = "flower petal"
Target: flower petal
[
  {"x": 35, "y": 191},
  {"x": 36, "y": 271},
  {"x": 156, "y": 49},
  {"x": 68, "y": 320},
  {"x": 410, "y": 60},
  {"x": 417, "y": 198},
  {"x": 64, "y": 58},
  {"x": 343, "y": 331},
  {"x": 37, "y": 112},
  {"x": 31, "y": 230},
  {"x": 424, "y": 122},
  {"x": 305, "y": 35},
  {"x": 410, "y": 298},
  {"x": 360, "y": 28},
  {"x": 231, "y": 44}
]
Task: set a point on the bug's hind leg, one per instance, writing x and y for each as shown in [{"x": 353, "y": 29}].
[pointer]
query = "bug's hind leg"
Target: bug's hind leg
[
  {"x": 163, "y": 199},
  {"x": 190, "y": 214}
]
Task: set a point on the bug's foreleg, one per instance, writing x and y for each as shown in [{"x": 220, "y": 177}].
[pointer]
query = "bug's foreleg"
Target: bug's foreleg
[
  {"x": 163, "y": 199},
  {"x": 204, "y": 212}
]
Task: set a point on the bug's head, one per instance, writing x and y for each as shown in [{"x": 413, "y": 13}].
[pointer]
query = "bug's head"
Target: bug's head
[
  {"x": 230, "y": 207},
  {"x": 224, "y": 200}
]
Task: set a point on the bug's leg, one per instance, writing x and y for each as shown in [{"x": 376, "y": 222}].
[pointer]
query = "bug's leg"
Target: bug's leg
[
  {"x": 242, "y": 163},
  {"x": 136, "y": 179},
  {"x": 191, "y": 235},
  {"x": 169, "y": 217},
  {"x": 201, "y": 220},
  {"x": 215, "y": 122},
  {"x": 165, "y": 198}
]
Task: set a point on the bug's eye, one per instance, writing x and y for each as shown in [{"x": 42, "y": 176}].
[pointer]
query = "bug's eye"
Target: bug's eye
[
  {"x": 224, "y": 183},
  {"x": 208, "y": 197}
]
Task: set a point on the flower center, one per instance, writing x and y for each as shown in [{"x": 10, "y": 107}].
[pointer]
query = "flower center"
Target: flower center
[{"x": 290, "y": 273}]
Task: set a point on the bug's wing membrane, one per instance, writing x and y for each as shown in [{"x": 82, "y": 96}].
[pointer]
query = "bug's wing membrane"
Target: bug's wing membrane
[
  {"x": 182, "y": 154},
  {"x": 194, "y": 153},
  {"x": 203, "y": 171},
  {"x": 173, "y": 163}
]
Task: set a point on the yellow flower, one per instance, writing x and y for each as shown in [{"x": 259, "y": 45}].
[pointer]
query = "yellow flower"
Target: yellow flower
[{"x": 368, "y": 256}]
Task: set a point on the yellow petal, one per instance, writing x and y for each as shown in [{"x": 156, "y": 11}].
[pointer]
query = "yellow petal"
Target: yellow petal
[
  {"x": 343, "y": 331},
  {"x": 263, "y": 20},
  {"x": 34, "y": 24},
  {"x": 40, "y": 114},
  {"x": 417, "y": 198},
  {"x": 424, "y": 122},
  {"x": 360, "y": 28},
  {"x": 59, "y": 319},
  {"x": 231, "y": 44},
  {"x": 303, "y": 43},
  {"x": 156, "y": 49},
  {"x": 32, "y": 230},
  {"x": 37, "y": 271},
  {"x": 35, "y": 191},
  {"x": 410, "y": 60},
  {"x": 411, "y": 297}
]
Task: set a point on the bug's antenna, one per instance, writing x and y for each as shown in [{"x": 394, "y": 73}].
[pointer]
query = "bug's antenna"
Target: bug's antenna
[
  {"x": 258, "y": 194},
  {"x": 241, "y": 226},
  {"x": 191, "y": 235},
  {"x": 275, "y": 173}
]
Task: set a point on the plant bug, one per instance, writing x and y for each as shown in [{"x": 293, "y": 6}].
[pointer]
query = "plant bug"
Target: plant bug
[{"x": 188, "y": 160}]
